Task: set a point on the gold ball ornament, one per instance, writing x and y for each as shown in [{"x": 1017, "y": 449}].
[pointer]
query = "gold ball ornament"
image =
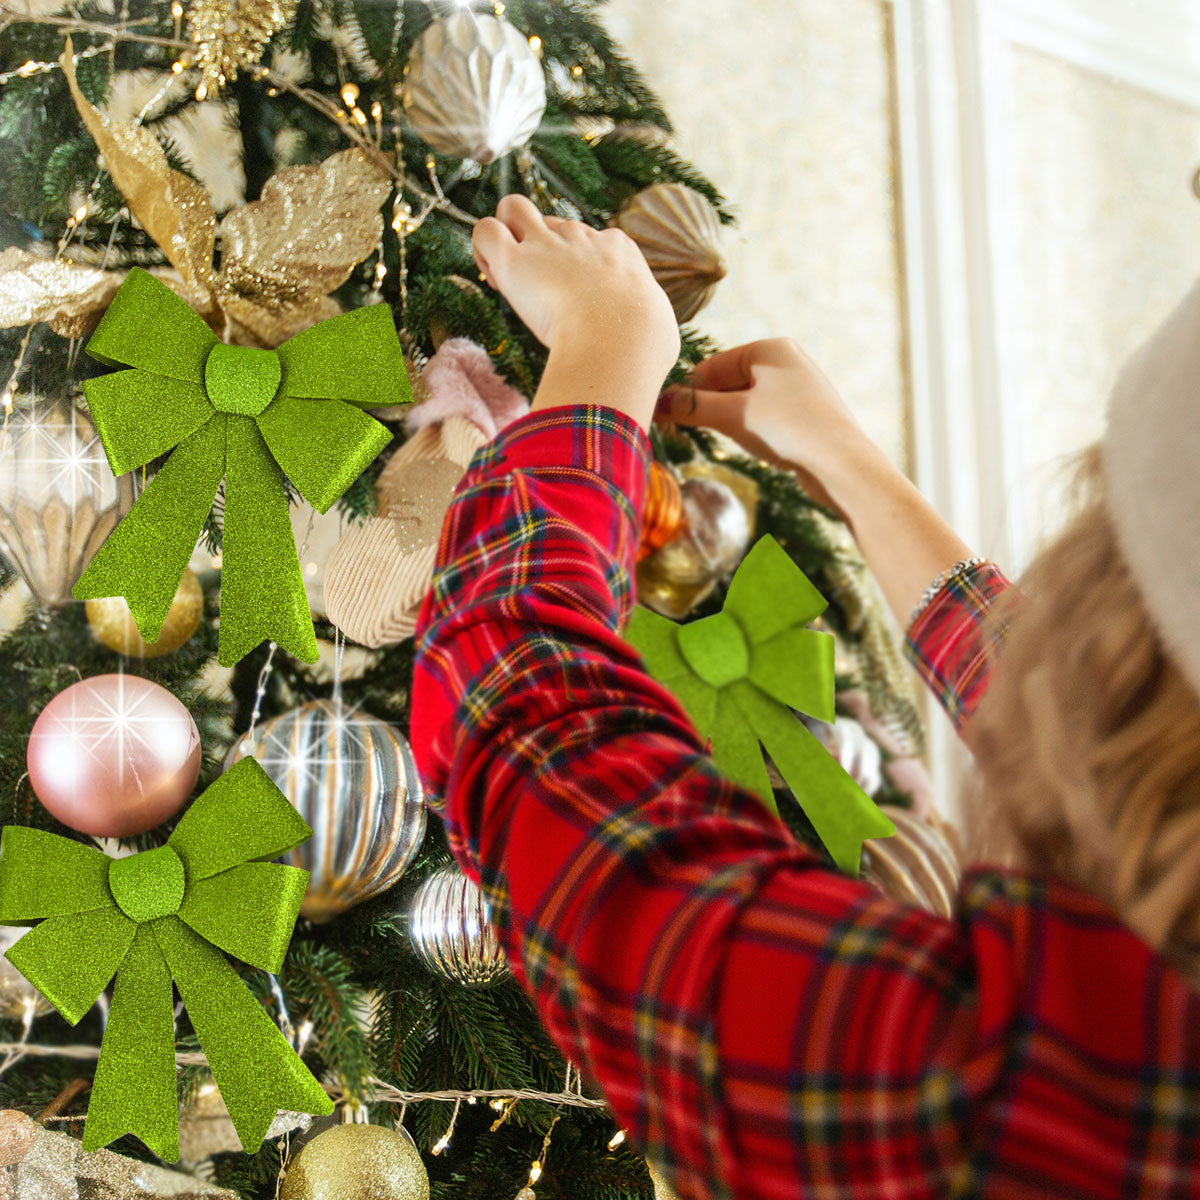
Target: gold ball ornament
[
  {"x": 474, "y": 87},
  {"x": 112, "y": 622},
  {"x": 662, "y": 1189},
  {"x": 357, "y": 1162},
  {"x": 679, "y": 233}
]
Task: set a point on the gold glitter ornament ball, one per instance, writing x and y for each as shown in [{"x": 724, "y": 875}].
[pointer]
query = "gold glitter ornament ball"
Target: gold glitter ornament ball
[
  {"x": 357, "y": 1162},
  {"x": 112, "y": 622}
]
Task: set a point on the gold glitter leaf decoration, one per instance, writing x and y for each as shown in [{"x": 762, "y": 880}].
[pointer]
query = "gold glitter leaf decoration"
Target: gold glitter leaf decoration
[
  {"x": 232, "y": 34},
  {"x": 283, "y": 254},
  {"x": 65, "y": 294},
  {"x": 174, "y": 210}
]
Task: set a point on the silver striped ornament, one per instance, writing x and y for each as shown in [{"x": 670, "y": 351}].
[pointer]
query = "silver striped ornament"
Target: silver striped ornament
[
  {"x": 353, "y": 778},
  {"x": 450, "y": 929}
]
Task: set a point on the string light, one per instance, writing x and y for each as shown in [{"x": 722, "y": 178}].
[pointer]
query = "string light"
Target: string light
[
  {"x": 498, "y": 8},
  {"x": 202, "y": 92},
  {"x": 176, "y": 10},
  {"x": 535, "y": 44},
  {"x": 535, "y": 1172},
  {"x": 440, "y": 1145},
  {"x": 616, "y": 1139},
  {"x": 577, "y": 70},
  {"x": 350, "y": 94}
]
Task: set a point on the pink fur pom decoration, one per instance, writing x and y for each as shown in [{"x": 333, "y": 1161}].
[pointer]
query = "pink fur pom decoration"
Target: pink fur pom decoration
[{"x": 463, "y": 382}]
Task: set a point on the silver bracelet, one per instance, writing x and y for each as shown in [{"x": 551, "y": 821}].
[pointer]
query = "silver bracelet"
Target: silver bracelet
[{"x": 940, "y": 582}]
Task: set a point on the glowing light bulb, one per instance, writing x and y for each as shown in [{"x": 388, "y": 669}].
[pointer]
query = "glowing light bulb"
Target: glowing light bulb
[
  {"x": 176, "y": 10},
  {"x": 535, "y": 44},
  {"x": 440, "y": 1144},
  {"x": 349, "y": 94},
  {"x": 202, "y": 92},
  {"x": 616, "y": 1139},
  {"x": 535, "y": 1171}
]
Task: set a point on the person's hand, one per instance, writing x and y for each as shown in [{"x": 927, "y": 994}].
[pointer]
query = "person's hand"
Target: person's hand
[
  {"x": 572, "y": 284},
  {"x": 773, "y": 400},
  {"x": 588, "y": 295}
]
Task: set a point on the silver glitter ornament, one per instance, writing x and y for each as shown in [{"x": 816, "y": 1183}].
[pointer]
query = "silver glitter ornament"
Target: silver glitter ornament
[
  {"x": 353, "y": 778},
  {"x": 449, "y": 927},
  {"x": 59, "y": 499},
  {"x": 474, "y": 87}
]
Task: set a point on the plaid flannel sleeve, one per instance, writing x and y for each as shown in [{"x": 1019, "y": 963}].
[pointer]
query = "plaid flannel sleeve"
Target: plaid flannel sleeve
[
  {"x": 691, "y": 957},
  {"x": 950, "y": 642}
]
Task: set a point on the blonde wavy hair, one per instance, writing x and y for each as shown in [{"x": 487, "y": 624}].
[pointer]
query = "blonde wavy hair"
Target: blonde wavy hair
[{"x": 1088, "y": 739}]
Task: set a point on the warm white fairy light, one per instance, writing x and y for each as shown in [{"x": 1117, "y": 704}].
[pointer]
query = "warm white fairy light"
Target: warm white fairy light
[
  {"x": 616, "y": 1139},
  {"x": 535, "y": 1172},
  {"x": 535, "y": 44}
]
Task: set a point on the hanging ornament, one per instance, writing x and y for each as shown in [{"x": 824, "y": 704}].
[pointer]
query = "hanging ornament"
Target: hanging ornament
[
  {"x": 113, "y": 755},
  {"x": 357, "y": 1162},
  {"x": 353, "y": 778},
  {"x": 918, "y": 866},
  {"x": 718, "y": 525},
  {"x": 662, "y": 1189},
  {"x": 58, "y": 497},
  {"x": 474, "y": 88},
  {"x": 232, "y": 34},
  {"x": 679, "y": 233},
  {"x": 113, "y": 624},
  {"x": 19, "y": 999},
  {"x": 450, "y": 929},
  {"x": 381, "y": 570},
  {"x": 854, "y": 748},
  {"x": 662, "y": 518}
]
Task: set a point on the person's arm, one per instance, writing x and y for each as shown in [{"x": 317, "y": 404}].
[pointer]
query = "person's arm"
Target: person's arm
[
  {"x": 757, "y": 1022},
  {"x": 773, "y": 400}
]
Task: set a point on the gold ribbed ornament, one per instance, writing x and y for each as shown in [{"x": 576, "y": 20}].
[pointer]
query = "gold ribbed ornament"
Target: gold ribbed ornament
[
  {"x": 112, "y": 622},
  {"x": 474, "y": 88},
  {"x": 58, "y": 497},
  {"x": 357, "y": 1162},
  {"x": 918, "y": 866},
  {"x": 232, "y": 34},
  {"x": 353, "y": 778},
  {"x": 680, "y": 234}
]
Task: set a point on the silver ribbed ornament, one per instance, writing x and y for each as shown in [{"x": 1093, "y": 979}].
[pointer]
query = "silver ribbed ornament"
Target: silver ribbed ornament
[
  {"x": 59, "y": 499},
  {"x": 450, "y": 929},
  {"x": 474, "y": 88},
  {"x": 353, "y": 778}
]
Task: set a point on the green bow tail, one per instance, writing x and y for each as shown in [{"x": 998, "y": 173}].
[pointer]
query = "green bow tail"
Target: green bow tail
[
  {"x": 242, "y": 415},
  {"x": 164, "y": 915},
  {"x": 740, "y": 672}
]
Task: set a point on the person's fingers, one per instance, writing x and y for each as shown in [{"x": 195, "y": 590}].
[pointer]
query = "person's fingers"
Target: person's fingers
[
  {"x": 734, "y": 369},
  {"x": 695, "y": 406},
  {"x": 521, "y": 215},
  {"x": 491, "y": 242}
]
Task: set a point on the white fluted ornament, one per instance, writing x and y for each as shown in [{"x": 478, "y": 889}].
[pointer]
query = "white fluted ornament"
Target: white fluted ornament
[
  {"x": 450, "y": 929},
  {"x": 474, "y": 88},
  {"x": 59, "y": 499},
  {"x": 679, "y": 233},
  {"x": 353, "y": 778}
]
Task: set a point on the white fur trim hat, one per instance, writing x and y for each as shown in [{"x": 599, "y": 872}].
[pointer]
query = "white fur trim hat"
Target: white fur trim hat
[{"x": 1151, "y": 457}]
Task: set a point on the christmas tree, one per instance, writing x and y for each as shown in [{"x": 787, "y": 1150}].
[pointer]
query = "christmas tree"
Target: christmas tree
[{"x": 275, "y": 163}]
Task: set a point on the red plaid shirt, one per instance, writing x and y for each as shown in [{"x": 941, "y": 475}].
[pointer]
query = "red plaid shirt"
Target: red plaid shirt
[{"x": 761, "y": 1026}]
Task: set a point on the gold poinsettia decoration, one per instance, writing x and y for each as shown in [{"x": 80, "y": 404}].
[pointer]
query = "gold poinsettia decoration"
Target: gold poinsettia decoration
[{"x": 281, "y": 255}]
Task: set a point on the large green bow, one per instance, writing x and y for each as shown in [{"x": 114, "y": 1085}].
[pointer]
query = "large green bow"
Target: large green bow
[
  {"x": 738, "y": 674},
  {"x": 164, "y": 915},
  {"x": 241, "y": 414}
]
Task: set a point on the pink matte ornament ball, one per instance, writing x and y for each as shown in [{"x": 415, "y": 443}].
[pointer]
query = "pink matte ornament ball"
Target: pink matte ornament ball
[{"x": 113, "y": 755}]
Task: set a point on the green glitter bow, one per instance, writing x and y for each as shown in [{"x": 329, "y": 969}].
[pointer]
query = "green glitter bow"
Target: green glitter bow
[
  {"x": 740, "y": 672},
  {"x": 241, "y": 414},
  {"x": 164, "y": 915}
]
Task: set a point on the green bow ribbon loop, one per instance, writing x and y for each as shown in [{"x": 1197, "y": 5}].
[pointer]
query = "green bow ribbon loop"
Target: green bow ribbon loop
[
  {"x": 160, "y": 916},
  {"x": 740, "y": 672},
  {"x": 242, "y": 415}
]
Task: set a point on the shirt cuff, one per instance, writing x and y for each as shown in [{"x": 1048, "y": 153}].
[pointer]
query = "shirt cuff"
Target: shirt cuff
[{"x": 590, "y": 437}]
